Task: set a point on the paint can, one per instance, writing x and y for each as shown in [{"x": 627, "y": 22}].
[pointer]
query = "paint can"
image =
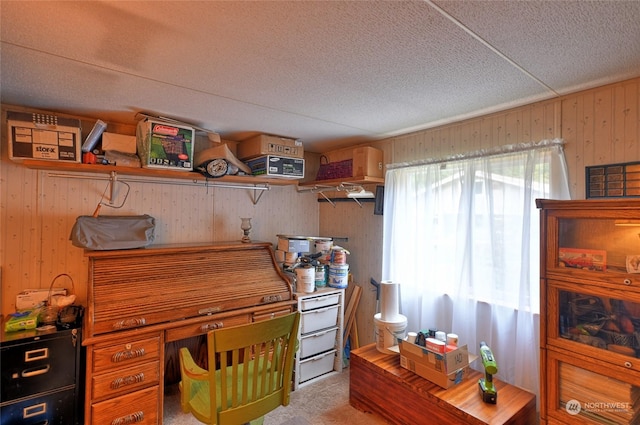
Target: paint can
[
  {"x": 389, "y": 333},
  {"x": 323, "y": 245},
  {"x": 338, "y": 275},
  {"x": 290, "y": 258},
  {"x": 338, "y": 256},
  {"x": 280, "y": 256},
  {"x": 305, "y": 279},
  {"x": 321, "y": 276}
]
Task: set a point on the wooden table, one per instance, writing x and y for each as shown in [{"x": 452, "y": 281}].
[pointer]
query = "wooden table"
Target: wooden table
[{"x": 379, "y": 384}]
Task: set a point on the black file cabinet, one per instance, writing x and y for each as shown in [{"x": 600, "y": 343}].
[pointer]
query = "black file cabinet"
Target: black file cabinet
[{"x": 41, "y": 377}]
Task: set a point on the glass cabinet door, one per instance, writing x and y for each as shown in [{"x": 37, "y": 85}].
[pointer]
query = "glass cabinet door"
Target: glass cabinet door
[
  {"x": 585, "y": 396},
  {"x": 606, "y": 248},
  {"x": 602, "y": 322}
]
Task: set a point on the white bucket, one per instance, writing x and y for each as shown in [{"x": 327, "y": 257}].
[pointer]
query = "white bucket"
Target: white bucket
[
  {"x": 389, "y": 334},
  {"x": 338, "y": 275},
  {"x": 305, "y": 279}
]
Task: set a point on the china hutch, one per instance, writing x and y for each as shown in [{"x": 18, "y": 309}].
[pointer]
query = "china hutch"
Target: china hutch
[{"x": 590, "y": 311}]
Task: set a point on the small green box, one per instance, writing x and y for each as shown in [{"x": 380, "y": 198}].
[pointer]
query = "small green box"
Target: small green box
[{"x": 27, "y": 319}]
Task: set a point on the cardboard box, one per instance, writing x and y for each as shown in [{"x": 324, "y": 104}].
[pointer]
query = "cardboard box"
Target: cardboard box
[
  {"x": 46, "y": 137},
  {"x": 277, "y": 166},
  {"x": 118, "y": 142},
  {"x": 444, "y": 370},
  {"x": 293, "y": 244},
  {"x": 31, "y": 298},
  {"x": 165, "y": 145},
  {"x": 366, "y": 161},
  {"x": 264, "y": 144}
]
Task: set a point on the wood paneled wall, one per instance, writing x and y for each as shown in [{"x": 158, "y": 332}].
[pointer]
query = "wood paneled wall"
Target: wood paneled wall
[
  {"x": 600, "y": 126},
  {"x": 38, "y": 212}
]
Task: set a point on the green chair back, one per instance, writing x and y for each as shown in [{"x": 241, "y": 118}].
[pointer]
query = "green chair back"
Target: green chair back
[{"x": 253, "y": 366}]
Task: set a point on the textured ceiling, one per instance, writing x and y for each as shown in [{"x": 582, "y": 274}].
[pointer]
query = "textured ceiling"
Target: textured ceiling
[{"x": 330, "y": 73}]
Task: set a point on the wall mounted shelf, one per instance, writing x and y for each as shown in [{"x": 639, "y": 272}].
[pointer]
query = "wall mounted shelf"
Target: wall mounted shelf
[
  {"x": 349, "y": 186},
  {"x": 358, "y": 180},
  {"x": 146, "y": 175}
]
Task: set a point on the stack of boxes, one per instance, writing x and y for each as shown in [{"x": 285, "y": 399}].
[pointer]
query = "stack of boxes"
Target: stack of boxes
[
  {"x": 443, "y": 368},
  {"x": 273, "y": 156}
]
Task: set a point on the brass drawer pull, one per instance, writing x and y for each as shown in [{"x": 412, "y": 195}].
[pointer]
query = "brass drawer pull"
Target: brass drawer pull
[
  {"x": 126, "y": 355},
  {"x": 129, "y": 323},
  {"x": 127, "y": 380},
  {"x": 129, "y": 419},
  {"x": 211, "y": 326},
  {"x": 271, "y": 298},
  {"x": 35, "y": 371},
  {"x": 208, "y": 310}
]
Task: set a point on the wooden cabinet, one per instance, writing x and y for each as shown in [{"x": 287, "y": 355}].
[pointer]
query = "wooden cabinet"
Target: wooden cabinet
[
  {"x": 320, "y": 335},
  {"x": 124, "y": 370},
  {"x": 590, "y": 312}
]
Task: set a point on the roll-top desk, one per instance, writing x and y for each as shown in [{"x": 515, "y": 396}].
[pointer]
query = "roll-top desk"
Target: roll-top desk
[{"x": 140, "y": 301}]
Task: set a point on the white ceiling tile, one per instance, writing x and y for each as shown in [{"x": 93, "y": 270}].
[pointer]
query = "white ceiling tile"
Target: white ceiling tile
[{"x": 329, "y": 73}]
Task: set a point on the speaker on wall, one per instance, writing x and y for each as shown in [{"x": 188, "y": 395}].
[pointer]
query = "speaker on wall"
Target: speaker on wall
[{"x": 379, "y": 203}]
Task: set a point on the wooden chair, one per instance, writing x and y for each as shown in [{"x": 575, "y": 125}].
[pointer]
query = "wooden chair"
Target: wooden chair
[{"x": 254, "y": 374}]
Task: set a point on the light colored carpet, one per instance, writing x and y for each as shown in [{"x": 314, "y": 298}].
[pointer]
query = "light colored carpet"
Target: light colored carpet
[{"x": 325, "y": 402}]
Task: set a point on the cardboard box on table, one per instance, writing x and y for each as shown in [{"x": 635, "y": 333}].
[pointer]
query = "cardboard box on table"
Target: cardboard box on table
[{"x": 444, "y": 370}]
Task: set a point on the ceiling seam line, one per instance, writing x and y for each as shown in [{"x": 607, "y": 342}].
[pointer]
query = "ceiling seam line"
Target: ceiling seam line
[
  {"x": 187, "y": 88},
  {"x": 490, "y": 47}
]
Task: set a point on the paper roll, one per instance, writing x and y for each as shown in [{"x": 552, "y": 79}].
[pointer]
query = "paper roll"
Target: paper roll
[{"x": 389, "y": 303}]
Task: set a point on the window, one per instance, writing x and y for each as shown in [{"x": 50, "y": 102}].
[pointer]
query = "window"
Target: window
[{"x": 461, "y": 236}]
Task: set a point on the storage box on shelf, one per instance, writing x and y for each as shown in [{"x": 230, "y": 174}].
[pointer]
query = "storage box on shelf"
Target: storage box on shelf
[
  {"x": 264, "y": 144},
  {"x": 351, "y": 163},
  {"x": 321, "y": 329},
  {"x": 590, "y": 312},
  {"x": 164, "y": 145},
  {"x": 43, "y": 137},
  {"x": 277, "y": 167}
]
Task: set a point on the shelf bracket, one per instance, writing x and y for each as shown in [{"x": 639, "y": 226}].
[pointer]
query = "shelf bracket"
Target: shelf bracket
[
  {"x": 333, "y": 204},
  {"x": 257, "y": 194}
]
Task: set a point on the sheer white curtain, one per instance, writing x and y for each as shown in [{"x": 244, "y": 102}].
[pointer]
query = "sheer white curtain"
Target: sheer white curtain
[{"x": 461, "y": 237}]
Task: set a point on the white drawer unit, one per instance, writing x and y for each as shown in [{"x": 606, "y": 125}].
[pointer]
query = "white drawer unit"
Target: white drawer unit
[{"x": 321, "y": 333}]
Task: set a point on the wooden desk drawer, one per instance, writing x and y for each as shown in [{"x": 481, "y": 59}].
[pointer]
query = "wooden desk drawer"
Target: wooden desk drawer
[
  {"x": 126, "y": 354},
  {"x": 283, "y": 311},
  {"x": 205, "y": 326},
  {"x": 125, "y": 380},
  {"x": 140, "y": 408}
]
